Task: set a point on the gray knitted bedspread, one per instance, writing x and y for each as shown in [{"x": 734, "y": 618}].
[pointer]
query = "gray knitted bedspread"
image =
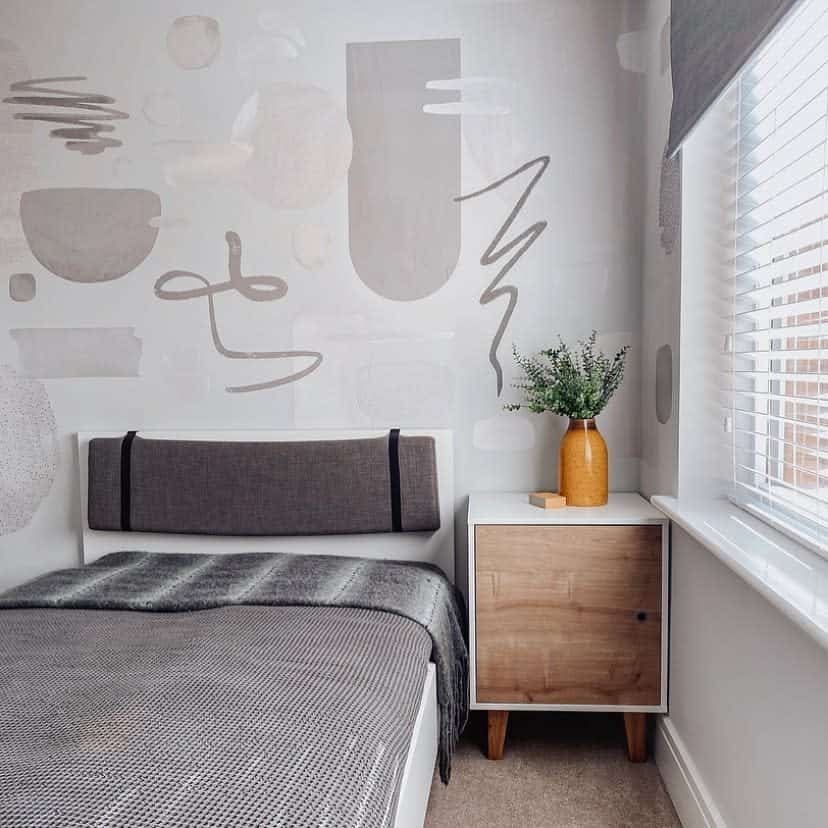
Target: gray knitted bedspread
[{"x": 246, "y": 690}]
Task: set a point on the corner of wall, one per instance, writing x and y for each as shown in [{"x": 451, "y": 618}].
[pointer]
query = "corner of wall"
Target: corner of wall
[{"x": 691, "y": 797}]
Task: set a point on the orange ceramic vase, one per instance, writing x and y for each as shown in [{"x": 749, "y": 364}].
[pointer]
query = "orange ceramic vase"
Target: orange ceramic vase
[{"x": 582, "y": 466}]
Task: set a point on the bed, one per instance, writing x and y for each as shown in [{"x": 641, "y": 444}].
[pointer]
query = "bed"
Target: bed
[{"x": 252, "y": 678}]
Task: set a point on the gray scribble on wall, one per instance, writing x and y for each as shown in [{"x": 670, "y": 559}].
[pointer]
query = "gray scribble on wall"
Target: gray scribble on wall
[
  {"x": 28, "y": 446},
  {"x": 254, "y": 288},
  {"x": 86, "y": 126},
  {"x": 22, "y": 287},
  {"x": 513, "y": 248},
  {"x": 664, "y": 384},
  {"x": 404, "y": 224},
  {"x": 669, "y": 202},
  {"x": 90, "y": 234},
  {"x": 194, "y": 41},
  {"x": 58, "y": 353}
]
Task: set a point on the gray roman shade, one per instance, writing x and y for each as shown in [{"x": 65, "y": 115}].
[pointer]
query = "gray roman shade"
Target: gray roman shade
[
  {"x": 710, "y": 41},
  {"x": 318, "y": 487}
]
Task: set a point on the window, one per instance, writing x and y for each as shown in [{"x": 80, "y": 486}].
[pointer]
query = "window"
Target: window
[{"x": 779, "y": 299}]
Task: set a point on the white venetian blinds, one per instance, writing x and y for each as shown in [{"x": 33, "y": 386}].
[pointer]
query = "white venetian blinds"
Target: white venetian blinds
[{"x": 779, "y": 400}]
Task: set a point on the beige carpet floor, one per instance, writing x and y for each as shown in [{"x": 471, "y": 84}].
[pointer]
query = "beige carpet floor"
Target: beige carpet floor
[{"x": 560, "y": 770}]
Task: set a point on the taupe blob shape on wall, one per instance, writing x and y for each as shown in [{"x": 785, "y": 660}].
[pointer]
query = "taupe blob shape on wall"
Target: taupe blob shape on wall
[
  {"x": 89, "y": 234},
  {"x": 22, "y": 287},
  {"x": 404, "y": 224},
  {"x": 664, "y": 384},
  {"x": 57, "y": 353}
]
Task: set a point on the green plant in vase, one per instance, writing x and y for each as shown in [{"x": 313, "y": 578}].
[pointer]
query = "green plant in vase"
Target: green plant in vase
[{"x": 577, "y": 383}]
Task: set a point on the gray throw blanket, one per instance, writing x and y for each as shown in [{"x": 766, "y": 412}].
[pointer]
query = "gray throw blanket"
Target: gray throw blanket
[{"x": 148, "y": 582}]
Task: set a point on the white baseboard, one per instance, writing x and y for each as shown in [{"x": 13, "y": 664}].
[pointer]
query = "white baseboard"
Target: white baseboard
[{"x": 691, "y": 798}]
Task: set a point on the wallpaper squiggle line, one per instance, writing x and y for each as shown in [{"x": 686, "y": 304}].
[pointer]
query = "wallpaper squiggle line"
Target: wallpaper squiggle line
[
  {"x": 84, "y": 132},
  {"x": 255, "y": 288},
  {"x": 520, "y": 244}
]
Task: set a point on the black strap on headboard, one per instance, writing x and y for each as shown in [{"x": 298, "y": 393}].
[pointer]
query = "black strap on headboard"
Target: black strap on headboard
[
  {"x": 126, "y": 481},
  {"x": 394, "y": 468}
]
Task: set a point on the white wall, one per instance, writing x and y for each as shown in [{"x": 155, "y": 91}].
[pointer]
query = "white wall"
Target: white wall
[
  {"x": 747, "y": 698},
  {"x": 662, "y": 249},
  {"x": 744, "y": 745},
  {"x": 561, "y": 78}
]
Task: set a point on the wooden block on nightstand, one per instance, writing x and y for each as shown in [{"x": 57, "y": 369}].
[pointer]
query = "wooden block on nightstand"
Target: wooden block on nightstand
[{"x": 547, "y": 500}]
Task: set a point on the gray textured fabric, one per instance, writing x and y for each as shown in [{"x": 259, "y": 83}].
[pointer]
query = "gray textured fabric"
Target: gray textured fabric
[
  {"x": 177, "y": 582},
  {"x": 238, "y": 716},
  {"x": 710, "y": 41},
  {"x": 316, "y": 487}
]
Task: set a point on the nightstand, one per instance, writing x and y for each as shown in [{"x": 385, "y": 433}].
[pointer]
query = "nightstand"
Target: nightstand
[{"x": 568, "y": 610}]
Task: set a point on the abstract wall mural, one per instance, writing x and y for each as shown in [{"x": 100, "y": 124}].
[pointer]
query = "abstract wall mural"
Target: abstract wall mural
[
  {"x": 88, "y": 130},
  {"x": 311, "y": 245},
  {"x": 90, "y": 234},
  {"x": 503, "y": 433},
  {"x": 664, "y": 384},
  {"x": 514, "y": 248},
  {"x": 404, "y": 225},
  {"x": 193, "y": 163},
  {"x": 28, "y": 446},
  {"x": 256, "y": 289},
  {"x": 424, "y": 389},
  {"x": 669, "y": 202},
  {"x": 59, "y": 353},
  {"x": 664, "y": 48},
  {"x": 16, "y": 156},
  {"x": 377, "y": 371},
  {"x": 194, "y": 41},
  {"x": 274, "y": 23},
  {"x": 632, "y": 51},
  {"x": 263, "y": 55},
  {"x": 162, "y": 109},
  {"x": 301, "y": 144},
  {"x": 471, "y": 102},
  {"x": 347, "y": 145},
  {"x": 22, "y": 287}
]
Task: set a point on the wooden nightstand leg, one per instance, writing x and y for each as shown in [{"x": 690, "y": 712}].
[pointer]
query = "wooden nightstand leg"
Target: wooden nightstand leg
[
  {"x": 635, "y": 725},
  {"x": 498, "y": 719}
]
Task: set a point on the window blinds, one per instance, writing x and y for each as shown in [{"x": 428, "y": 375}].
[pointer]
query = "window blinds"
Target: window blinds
[
  {"x": 779, "y": 399},
  {"x": 710, "y": 41}
]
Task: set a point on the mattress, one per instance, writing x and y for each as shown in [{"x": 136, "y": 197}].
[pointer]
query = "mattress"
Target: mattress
[{"x": 229, "y": 716}]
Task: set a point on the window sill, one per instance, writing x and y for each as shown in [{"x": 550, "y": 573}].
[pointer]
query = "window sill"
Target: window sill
[{"x": 792, "y": 577}]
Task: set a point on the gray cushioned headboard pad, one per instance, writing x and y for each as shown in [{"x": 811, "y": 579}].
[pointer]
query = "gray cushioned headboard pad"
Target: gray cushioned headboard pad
[{"x": 318, "y": 487}]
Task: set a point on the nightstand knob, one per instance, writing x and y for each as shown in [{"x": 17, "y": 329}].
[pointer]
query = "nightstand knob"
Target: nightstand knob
[{"x": 641, "y": 616}]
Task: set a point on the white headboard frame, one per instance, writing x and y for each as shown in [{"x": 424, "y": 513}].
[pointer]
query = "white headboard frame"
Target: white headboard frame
[{"x": 427, "y": 547}]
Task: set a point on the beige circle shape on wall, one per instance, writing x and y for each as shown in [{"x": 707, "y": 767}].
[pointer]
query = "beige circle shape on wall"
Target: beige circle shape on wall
[
  {"x": 194, "y": 41},
  {"x": 162, "y": 109},
  {"x": 301, "y": 144}
]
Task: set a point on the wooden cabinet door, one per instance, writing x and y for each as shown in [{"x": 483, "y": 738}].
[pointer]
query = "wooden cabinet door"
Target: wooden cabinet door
[{"x": 568, "y": 614}]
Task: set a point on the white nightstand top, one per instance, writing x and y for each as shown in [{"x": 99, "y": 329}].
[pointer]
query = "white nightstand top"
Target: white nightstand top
[{"x": 514, "y": 508}]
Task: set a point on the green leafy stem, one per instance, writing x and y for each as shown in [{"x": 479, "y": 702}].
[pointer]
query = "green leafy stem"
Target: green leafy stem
[{"x": 576, "y": 383}]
